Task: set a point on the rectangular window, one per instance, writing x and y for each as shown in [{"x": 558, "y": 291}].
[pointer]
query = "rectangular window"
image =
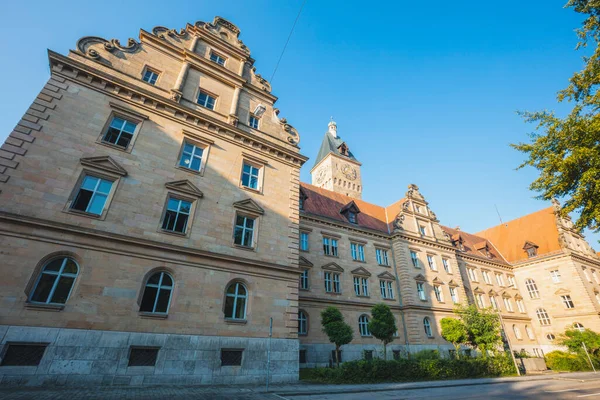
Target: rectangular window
[
  {"x": 396, "y": 354},
  {"x": 302, "y": 357},
  {"x": 439, "y": 296},
  {"x": 231, "y": 358},
  {"x": 150, "y": 76},
  {"x": 486, "y": 277},
  {"x": 304, "y": 280},
  {"x": 244, "y": 231},
  {"x": 304, "y": 241},
  {"x": 92, "y": 195},
  {"x": 387, "y": 289},
  {"x": 415, "y": 259},
  {"x": 585, "y": 272},
  {"x": 361, "y": 286},
  {"x": 358, "y": 251},
  {"x": 423, "y": 230},
  {"x": 332, "y": 282},
  {"x": 142, "y": 356},
  {"x": 206, "y": 100},
  {"x": 253, "y": 121},
  {"x": 120, "y": 132},
  {"x": 595, "y": 276},
  {"x": 214, "y": 57},
  {"x": 499, "y": 279},
  {"x": 382, "y": 257},
  {"x": 177, "y": 215},
  {"x": 493, "y": 303},
  {"x": 508, "y": 304},
  {"x": 454, "y": 295},
  {"x": 511, "y": 281},
  {"x": 480, "y": 300},
  {"x": 421, "y": 291},
  {"x": 520, "y": 305},
  {"x": 250, "y": 175},
  {"x": 330, "y": 247},
  {"x": 567, "y": 301},
  {"x": 431, "y": 262},
  {"x": 23, "y": 354},
  {"x": 555, "y": 274},
  {"x": 368, "y": 355},
  {"x": 191, "y": 157},
  {"x": 446, "y": 265},
  {"x": 472, "y": 274}
]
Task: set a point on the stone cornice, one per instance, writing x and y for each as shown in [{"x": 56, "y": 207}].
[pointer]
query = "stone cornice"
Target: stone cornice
[
  {"x": 541, "y": 259},
  {"x": 138, "y": 246},
  {"x": 421, "y": 241},
  {"x": 350, "y": 303},
  {"x": 582, "y": 258},
  {"x": 90, "y": 77},
  {"x": 486, "y": 261}
]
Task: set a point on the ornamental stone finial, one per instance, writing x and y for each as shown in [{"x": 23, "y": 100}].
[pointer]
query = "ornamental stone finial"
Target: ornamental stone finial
[{"x": 332, "y": 127}]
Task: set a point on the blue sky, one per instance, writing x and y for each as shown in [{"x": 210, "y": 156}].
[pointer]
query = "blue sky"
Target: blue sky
[{"x": 423, "y": 92}]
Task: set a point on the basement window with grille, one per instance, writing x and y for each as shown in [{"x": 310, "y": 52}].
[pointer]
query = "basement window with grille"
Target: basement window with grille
[
  {"x": 231, "y": 357},
  {"x": 302, "y": 357},
  {"x": 143, "y": 356},
  {"x": 23, "y": 354}
]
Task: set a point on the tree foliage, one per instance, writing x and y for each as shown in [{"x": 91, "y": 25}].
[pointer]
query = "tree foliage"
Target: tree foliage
[
  {"x": 566, "y": 151},
  {"x": 382, "y": 325},
  {"x": 455, "y": 332},
  {"x": 573, "y": 339},
  {"x": 338, "y": 332},
  {"x": 482, "y": 326}
]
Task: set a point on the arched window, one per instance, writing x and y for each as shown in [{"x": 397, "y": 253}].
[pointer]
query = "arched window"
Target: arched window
[
  {"x": 542, "y": 316},
  {"x": 529, "y": 332},
  {"x": 578, "y": 326},
  {"x": 302, "y": 323},
  {"x": 55, "y": 282},
  {"x": 235, "y": 301},
  {"x": 363, "y": 325},
  {"x": 517, "y": 332},
  {"x": 427, "y": 326},
  {"x": 157, "y": 293},
  {"x": 532, "y": 289}
]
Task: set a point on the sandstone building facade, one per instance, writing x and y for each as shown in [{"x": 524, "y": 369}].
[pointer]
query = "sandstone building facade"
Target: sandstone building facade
[{"x": 154, "y": 229}]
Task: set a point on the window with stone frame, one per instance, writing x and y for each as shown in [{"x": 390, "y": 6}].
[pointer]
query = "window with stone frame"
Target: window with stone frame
[
  {"x": 520, "y": 305},
  {"x": 120, "y": 132},
  {"x": 55, "y": 282},
  {"x": 253, "y": 121},
  {"x": 511, "y": 281},
  {"x": 236, "y": 301},
  {"x": 414, "y": 259},
  {"x": 357, "y": 251},
  {"x": 302, "y": 322},
  {"x": 555, "y": 275},
  {"x": 304, "y": 241},
  {"x": 499, "y": 280},
  {"x": 206, "y": 100},
  {"x": 142, "y": 356},
  {"x": 150, "y": 75},
  {"x": 382, "y": 257},
  {"x": 304, "y": 283},
  {"x": 217, "y": 58},
  {"x": 176, "y": 215},
  {"x": 361, "y": 286},
  {"x": 486, "y": 277},
  {"x": 431, "y": 262},
  {"x": 446, "y": 265},
  {"x": 192, "y": 156},
  {"x": 386, "y": 288},
  {"x": 92, "y": 195},
  {"x": 330, "y": 246},
  {"x": 507, "y": 304},
  {"x": 427, "y": 327},
  {"x": 439, "y": 295},
  {"x": 244, "y": 230},
  {"x": 480, "y": 300},
  {"x": 363, "y": 325},
  {"x": 21, "y": 354},
  {"x": 454, "y": 295},
  {"x": 567, "y": 301},
  {"x": 332, "y": 282},
  {"x": 158, "y": 290},
  {"x": 532, "y": 288},
  {"x": 542, "y": 316},
  {"x": 421, "y": 291}
]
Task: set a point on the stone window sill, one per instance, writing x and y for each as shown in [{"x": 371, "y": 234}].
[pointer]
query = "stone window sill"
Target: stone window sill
[
  {"x": 236, "y": 321},
  {"x": 247, "y": 248},
  {"x": 192, "y": 171},
  {"x": 44, "y": 307},
  {"x": 305, "y": 290},
  {"x": 150, "y": 315},
  {"x": 178, "y": 234},
  {"x": 257, "y": 191},
  {"x": 115, "y": 147},
  {"x": 388, "y": 299},
  {"x": 336, "y": 293}
]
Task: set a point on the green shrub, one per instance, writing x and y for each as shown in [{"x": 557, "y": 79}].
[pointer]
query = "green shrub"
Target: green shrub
[
  {"x": 403, "y": 370},
  {"x": 426, "y": 355},
  {"x": 561, "y": 361}
]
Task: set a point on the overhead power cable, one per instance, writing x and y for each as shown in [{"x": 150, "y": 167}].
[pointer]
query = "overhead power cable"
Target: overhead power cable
[{"x": 287, "y": 41}]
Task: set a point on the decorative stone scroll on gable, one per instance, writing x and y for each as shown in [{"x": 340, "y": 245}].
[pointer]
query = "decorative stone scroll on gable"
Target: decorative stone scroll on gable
[
  {"x": 83, "y": 45},
  {"x": 104, "y": 163},
  {"x": 185, "y": 186},
  {"x": 249, "y": 206}
]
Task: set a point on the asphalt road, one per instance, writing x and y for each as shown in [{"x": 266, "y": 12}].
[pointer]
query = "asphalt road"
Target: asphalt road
[{"x": 563, "y": 388}]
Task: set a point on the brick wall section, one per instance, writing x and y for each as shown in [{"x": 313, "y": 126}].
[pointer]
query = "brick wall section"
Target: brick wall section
[{"x": 18, "y": 141}]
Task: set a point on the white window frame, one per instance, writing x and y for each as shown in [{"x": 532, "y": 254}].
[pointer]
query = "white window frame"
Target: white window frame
[
  {"x": 304, "y": 240},
  {"x": 595, "y": 276},
  {"x": 447, "y": 266},
  {"x": 555, "y": 275},
  {"x": 382, "y": 257},
  {"x": 253, "y": 121},
  {"x": 507, "y": 304},
  {"x": 304, "y": 281},
  {"x": 520, "y": 305},
  {"x": 330, "y": 246},
  {"x": 486, "y": 277},
  {"x": 95, "y": 192},
  {"x": 386, "y": 289},
  {"x": 567, "y": 301},
  {"x": 414, "y": 256},
  {"x": 532, "y": 288},
  {"x": 332, "y": 282},
  {"x": 511, "y": 281},
  {"x": 493, "y": 302},
  {"x": 499, "y": 279},
  {"x": 517, "y": 332},
  {"x": 480, "y": 300},
  {"x": 153, "y": 74},
  {"x": 193, "y": 155},
  {"x": 454, "y": 295},
  {"x": 245, "y": 229},
  {"x": 543, "y": 317},
  {"x": 431, "y": 262},
  {"x": 421, "y": 291},
  {"x": 529, "y": 332},
  {"x": 427, "y": 327},
  {"x": 259, "y": 172},
  {"x": 216, "y": 57},
  {"x": 207, "y": 100},
  {"x": 439, "y": 295},
  {"x": 363, "y": 326}
]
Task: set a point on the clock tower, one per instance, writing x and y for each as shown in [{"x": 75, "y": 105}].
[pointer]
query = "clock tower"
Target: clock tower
[{"x": 336, "y": 168}]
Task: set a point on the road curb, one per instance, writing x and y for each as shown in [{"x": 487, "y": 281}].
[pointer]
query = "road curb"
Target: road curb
[{"x": 409, "y": 387}]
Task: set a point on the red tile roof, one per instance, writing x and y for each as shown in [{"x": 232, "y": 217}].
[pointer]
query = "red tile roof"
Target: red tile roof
[
  {"x": 475, "y": 245},
  {"x": 325, "y": 203},
  {"x": 538, "y": 228}
]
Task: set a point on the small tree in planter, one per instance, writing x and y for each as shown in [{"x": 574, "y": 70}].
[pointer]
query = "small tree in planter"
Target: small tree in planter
[
  {"x": 382, "y": 325},
  {"x": 455, "y": 332},
  {"x": 338, "y": 332}
]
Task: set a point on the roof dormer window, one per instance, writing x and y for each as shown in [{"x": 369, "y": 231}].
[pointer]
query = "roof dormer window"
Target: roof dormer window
[
  {"x": 343, "y": 149},
  {"x": 531, "y": 249},
  {"x": 351, "y": 211}
]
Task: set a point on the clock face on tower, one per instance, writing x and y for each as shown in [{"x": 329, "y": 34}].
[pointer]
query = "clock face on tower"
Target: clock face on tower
[{"x": 349, "y": 172}]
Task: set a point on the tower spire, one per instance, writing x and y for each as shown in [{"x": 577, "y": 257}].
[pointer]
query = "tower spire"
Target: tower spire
[{"x": 332, "y": 128}]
